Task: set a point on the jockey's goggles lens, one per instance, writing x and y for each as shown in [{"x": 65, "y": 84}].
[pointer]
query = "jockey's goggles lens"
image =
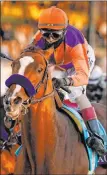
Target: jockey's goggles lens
[{"x": 53, "y": 34}]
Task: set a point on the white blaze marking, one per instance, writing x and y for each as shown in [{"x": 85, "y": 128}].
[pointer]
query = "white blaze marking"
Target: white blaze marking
[
  {"x": 24, "y": 62},
  {"x": 17, "y": 89}
]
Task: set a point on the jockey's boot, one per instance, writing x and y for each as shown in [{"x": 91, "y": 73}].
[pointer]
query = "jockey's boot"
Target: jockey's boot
[{"x": 94, "y": 141}]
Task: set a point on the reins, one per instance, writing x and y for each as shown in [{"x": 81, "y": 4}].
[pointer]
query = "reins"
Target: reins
[{"x": 5, "y": 56}]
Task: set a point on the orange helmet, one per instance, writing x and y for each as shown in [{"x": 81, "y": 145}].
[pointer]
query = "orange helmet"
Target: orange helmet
[{"x": 53, "y": 18}]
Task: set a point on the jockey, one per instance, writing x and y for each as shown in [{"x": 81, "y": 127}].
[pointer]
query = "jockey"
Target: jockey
[{"x": 70, "y": 50}]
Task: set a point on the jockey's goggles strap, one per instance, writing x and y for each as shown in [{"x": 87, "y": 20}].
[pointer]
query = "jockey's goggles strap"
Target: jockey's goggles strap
[
  {"x": 54, "y": 34},
  {"x": 22, "y": 81}
]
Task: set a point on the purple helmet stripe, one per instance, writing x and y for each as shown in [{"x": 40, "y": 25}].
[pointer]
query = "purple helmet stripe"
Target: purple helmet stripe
[{"x": 73, "y": 36}]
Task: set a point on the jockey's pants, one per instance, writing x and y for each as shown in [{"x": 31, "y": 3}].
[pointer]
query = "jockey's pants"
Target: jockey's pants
[
  {"x": 78, "y": 91},
  {"x": 78, "y": 94}
]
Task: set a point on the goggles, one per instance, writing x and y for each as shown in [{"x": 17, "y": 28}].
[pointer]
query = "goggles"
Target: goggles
[{"x": 54, "y": 34}]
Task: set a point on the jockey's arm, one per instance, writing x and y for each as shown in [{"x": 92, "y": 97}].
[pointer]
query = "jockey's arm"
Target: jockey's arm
[{"x": 80, "y": 62}]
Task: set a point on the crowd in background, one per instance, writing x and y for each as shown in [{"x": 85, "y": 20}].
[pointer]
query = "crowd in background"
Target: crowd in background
[{"x": 20, "y": 23}]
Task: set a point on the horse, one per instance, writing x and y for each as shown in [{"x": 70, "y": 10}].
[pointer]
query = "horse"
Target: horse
[
  {"x": 7, "y": 154},
  {"x": 51, "y": 144}
]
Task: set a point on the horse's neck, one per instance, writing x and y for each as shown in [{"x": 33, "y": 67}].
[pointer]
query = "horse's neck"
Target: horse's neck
[
  {"x": 44, "y": 131},
  {"x": 38, "y": 128},
  {"x": 39, "y": 125},
  {"x": 43, "y": 115}
]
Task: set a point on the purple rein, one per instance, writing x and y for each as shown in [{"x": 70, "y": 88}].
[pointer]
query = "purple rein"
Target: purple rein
[{"x": 22, "y": 81}]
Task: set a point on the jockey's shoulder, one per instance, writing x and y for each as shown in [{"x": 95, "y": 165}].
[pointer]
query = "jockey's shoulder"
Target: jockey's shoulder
[
  {"x": 74, "y": 30},
  {"x": 74, "y": 36}
]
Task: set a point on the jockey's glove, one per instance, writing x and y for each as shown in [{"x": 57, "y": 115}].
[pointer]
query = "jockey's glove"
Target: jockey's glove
[{"x": 61, "y": 82}]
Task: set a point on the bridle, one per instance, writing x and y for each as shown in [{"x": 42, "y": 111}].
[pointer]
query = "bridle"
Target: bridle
[
  {"x": 45, "y": 76},
  {"x": 31, "y": 99}
]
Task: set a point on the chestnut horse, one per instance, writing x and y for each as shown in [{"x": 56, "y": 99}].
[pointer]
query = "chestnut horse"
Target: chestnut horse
[{"x": 50, "y": 142}]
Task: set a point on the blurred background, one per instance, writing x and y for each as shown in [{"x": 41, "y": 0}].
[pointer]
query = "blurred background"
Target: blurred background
[{"x": 19, "y": 20}]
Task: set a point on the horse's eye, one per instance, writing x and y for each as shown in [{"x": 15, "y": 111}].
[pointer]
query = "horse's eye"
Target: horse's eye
[
  {"x": 17, "y": 100},
  {"x": 40, "y": 70}
]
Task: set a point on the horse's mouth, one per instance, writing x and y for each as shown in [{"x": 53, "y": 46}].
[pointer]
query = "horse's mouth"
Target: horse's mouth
[{"x": 13, "y": 115}]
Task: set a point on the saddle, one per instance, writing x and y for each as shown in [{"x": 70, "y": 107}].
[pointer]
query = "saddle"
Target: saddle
[{"x": 72, "y": 110}]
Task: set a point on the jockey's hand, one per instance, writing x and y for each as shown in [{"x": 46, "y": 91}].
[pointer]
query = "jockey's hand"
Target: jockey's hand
[{"x": 61, "y": 82}]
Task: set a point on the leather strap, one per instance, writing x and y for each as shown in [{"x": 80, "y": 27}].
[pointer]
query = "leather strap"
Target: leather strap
[{"x": 57, "y": 99}]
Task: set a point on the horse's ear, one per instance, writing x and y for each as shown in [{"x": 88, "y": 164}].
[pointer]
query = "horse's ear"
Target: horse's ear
[{"x": 40, "y": 68}]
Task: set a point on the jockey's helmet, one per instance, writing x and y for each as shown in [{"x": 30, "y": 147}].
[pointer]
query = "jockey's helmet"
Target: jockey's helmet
[{"x": 53, "y": 18}]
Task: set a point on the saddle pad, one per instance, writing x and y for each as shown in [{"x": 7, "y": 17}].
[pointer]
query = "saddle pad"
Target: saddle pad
[
  {"x": 92, "y": 156},
  {"x": 94, "y": 160},
  {"x": 70, "y": 104},
  {"x": 18, "y": 150}
]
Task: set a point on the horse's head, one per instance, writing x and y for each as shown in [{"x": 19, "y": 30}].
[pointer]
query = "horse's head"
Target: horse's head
[{"x": 29, "y": 78}]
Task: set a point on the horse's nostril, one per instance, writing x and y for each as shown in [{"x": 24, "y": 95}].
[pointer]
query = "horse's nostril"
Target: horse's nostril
[
  {"x": 8, "y": 109},
  {"x": 7, "y": 102}
]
